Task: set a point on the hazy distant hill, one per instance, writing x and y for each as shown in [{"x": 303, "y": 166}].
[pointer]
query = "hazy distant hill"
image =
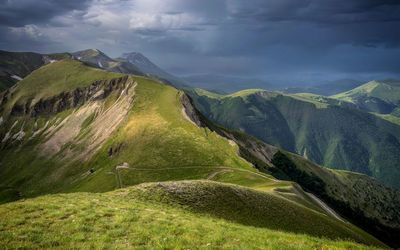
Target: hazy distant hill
[
  {"x": 326, "y": 89},
  {"x": 226, "y": 84}
]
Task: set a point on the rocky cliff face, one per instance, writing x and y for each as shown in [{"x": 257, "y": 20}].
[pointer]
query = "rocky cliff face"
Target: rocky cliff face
[
  {"x": 66, "y": 100},
  {"x": 258, "y": 149}
]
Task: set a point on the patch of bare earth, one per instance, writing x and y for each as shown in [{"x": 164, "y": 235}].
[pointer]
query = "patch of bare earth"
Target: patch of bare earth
[{"x": 70, "y": 130}]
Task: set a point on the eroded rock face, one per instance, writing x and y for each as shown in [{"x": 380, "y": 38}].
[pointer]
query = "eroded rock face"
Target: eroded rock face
[
  {"x": 260, "y": 150},
  {"x": 66, "y": 100},
  {"x": 192, "y": 113}
]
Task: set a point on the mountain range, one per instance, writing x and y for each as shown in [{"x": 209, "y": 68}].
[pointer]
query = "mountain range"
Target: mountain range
[
  {"x": 330, "y": 132},
  {"x": 100, "y": 152}
]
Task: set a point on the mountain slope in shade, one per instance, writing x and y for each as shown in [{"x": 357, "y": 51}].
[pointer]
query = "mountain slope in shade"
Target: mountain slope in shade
[
  {"x": 148, "y": 67},
  {"x": 68, "y": 127},
  {"x": 330, "y": 132}
]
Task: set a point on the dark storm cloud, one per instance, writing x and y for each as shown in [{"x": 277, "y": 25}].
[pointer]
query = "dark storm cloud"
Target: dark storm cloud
[
  {"x": 17, "y": 13},
  {"x": 291, "y": 39},
  {"x": 319, "y": 11},
  {"x": 326, "y": 22}
]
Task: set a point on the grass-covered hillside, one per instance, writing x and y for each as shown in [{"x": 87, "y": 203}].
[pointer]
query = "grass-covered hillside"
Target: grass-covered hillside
[
  {"x": 381, "y": 96},
  {"x": 68, "y": 127},
  {"x": 329, "y": 132},
  {"x": 188, "y": 214},
  {"x": 50, "y": 144}
]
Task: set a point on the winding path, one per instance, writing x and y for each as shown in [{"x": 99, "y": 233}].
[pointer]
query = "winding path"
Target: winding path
[
  {"x": 194, "y": 167},
  {"x": 213, "y": 174},
  {"x": 327, "y": 209}
]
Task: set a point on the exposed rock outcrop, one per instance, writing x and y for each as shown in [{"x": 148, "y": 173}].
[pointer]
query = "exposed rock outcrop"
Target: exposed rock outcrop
[
  {"x": 257, "y": 148},
  {"x": 192, "y": 113},
  {"x": 66, "y": 100}
]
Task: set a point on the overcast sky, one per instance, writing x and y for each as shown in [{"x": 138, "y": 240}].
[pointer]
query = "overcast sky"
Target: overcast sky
[{"x": 278, "y": 40}]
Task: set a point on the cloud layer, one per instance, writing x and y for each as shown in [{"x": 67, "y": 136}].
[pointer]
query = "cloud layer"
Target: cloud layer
[{"x": 286, "y": 40}]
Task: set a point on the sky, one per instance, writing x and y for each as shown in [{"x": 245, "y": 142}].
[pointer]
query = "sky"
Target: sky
[{"x": 283, "y": 41}]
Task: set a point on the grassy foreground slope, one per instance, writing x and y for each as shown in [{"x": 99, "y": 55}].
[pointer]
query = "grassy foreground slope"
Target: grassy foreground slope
[
  {"x": 158, "y": 216},
  {"x": 330, "y": 132}
]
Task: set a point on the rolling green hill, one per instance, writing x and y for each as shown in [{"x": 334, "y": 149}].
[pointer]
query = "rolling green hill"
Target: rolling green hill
[
  {"x": 69, "y": 127},
  {"x": 330, "y": 132},
  {"x": 157, "y": 215},
  {"x": 381, "y": 96}
]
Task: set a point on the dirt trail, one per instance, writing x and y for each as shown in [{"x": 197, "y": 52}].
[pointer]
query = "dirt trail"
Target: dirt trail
[
  {"x": 213, "y": 174},
  {"x": 327, "y": 209},
  {"x": 212, "y": 167},
  {"x": 117, "y": 168}
]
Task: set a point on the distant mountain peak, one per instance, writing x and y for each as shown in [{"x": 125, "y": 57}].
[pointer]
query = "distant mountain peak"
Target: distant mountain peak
[
  {"x": 142, "y": 62},
  {"x": 148, "y": 67}
]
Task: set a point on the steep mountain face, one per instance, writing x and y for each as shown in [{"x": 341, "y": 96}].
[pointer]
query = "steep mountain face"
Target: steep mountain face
[
  {"x": 96, "y": 58},
  {"x": 327, "y": 89},
  {"x": 69, "y": 127},
  {"x": 381, "y": 96},
  {"x": 148, "y": 67},
  {"x": 14, "y": 66},
  {"x": 329, "y": 132}
]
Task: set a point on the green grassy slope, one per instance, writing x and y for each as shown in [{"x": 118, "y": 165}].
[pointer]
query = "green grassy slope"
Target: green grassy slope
[
  {"x": 381, "y": 96},
  {"x": 159, "y": 216},
  {"x": 52, "y": 79},
  {"x": 155, "y": 119},
  {"x": 135, "y": 132},
  {"x": 330, "y": 132}
]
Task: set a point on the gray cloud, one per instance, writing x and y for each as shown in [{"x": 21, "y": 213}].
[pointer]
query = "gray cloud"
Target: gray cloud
[
  {"x": 17, "y": 13},
  {"x": 296, "y": 40}
]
